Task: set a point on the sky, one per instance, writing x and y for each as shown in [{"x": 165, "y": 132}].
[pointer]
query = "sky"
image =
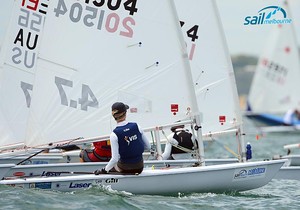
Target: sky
[
  {"x": 240, "y": 39},
  {"x": 5, "y": 10}
]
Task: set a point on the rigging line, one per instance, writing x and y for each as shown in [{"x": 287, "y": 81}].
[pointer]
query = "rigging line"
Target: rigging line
[
  {"x": 238, "y": 136},
  {"x": 43, "y": 150},
  {"x": 58, "y": 64},
  {"x": 64, "y": 146},
  {"x": 28, "y": 152},
  {"x": 227, "y": 148},
  {"x": 154, "y": 64},
  {"x": 62, "y": 143},
  {"x": 136, "y": 44}
]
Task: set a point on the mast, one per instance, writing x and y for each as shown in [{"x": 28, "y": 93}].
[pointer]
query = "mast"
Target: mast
[
  {"x": 192, "y": 94},
  {"x": 240, "y": 132}
]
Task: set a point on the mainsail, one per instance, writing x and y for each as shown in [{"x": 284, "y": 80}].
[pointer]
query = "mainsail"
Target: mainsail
[
  {"x": 211, "y": 65},
  {"x": 17, "y": 67},
  {"x": 95, "y": 54}
]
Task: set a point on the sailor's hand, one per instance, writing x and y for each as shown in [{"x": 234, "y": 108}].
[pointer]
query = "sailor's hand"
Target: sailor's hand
[
  {"x": 158, "y": 157},
  {"x": 196, "y": 164},
  {"x": 100, "y": 171}
]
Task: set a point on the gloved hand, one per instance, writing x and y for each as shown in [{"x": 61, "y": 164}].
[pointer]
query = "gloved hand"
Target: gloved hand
[{"x": 100, "y": 171}]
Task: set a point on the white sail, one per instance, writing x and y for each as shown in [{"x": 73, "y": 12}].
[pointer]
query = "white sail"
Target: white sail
[
  {"x": 17, "y": 66},
  {"x": 212, "y": 70},
  {"x": 93, "y": 55},
  {"x": 274, "y": 88}
]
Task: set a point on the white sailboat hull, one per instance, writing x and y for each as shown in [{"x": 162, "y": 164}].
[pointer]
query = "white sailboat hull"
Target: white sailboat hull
[
  {"x": 42, "y": 158},
  {"x": 218, "y": 178},
  {"x": 4, "y": 168},
  {"x": 290, "y": 172},
  {"x": 59, "y": 169},
  {"x": 280, "y": 129},
  {"x": 294, "y": 160}
]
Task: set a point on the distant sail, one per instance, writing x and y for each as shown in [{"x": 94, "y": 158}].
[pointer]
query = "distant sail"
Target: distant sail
[{"x": 274, "y": 88}]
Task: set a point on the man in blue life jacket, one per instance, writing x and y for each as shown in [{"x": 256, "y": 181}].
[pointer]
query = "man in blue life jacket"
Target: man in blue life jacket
[{"x": 128, "y": 143}]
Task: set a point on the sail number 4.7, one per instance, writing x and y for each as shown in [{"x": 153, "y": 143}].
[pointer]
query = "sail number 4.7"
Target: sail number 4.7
[
  {"x": 86, "y": 94},
  {"x": 87, "y": 99},
  {"x": 92, "y": 16}
]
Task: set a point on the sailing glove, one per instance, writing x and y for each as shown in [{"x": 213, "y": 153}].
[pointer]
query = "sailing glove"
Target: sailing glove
[{"x": 100, "y": 171}]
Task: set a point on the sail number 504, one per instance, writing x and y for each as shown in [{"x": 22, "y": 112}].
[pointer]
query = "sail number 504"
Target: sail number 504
[
  {"x": 87, "y": 99},
  {"x": 91, "y": 16}
]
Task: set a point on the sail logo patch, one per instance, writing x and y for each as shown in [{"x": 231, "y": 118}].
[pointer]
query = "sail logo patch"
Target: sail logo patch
[
  {"x": 174, "y": 108},
  {"x": 268, "y": 15}
]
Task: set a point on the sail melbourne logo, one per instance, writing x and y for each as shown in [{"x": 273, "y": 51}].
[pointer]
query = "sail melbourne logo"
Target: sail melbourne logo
[
  {"x": 249, "y": 173},
  {"x": 268, "y": 15}
]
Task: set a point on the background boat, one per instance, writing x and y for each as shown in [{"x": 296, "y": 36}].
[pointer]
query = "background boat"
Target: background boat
[{"x": 274, "y": 89}]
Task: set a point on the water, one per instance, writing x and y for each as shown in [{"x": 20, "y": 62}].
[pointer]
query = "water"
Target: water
[
  {"x": 278, "y": 194},
  {"x": 283, "y": 194}
]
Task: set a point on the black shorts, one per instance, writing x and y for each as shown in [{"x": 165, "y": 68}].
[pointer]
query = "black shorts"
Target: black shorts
[{"x": 131, "y": 167}]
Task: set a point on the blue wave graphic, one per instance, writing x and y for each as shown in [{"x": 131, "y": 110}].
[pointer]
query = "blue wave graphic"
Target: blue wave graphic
[{"x": 273, "y": 12}]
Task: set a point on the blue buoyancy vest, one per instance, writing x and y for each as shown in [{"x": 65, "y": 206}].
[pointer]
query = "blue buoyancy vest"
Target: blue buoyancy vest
[{"x": 131, "y": 145}]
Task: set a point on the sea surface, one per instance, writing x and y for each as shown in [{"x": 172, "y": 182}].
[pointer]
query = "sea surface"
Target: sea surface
[{"x": 278, "y": 194}]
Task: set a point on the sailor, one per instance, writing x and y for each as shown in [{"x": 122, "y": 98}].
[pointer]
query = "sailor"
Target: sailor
[
  {"x": 291, "y": 116},
  {"x": 100, "y": 153},
  {"x": 179, "y": 142},
  {"x": 128, "y": 143}
]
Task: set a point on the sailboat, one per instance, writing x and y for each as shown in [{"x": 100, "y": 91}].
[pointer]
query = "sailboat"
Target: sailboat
[
  {"x": 4, "y": 168},
  {"x": 291, "y": 169},
  {"x": 93, "y": 61},
  {"x": 18, "y": 60},
  {"x": 214, "y": 83},
  {"x": 274, "y": 89}
]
